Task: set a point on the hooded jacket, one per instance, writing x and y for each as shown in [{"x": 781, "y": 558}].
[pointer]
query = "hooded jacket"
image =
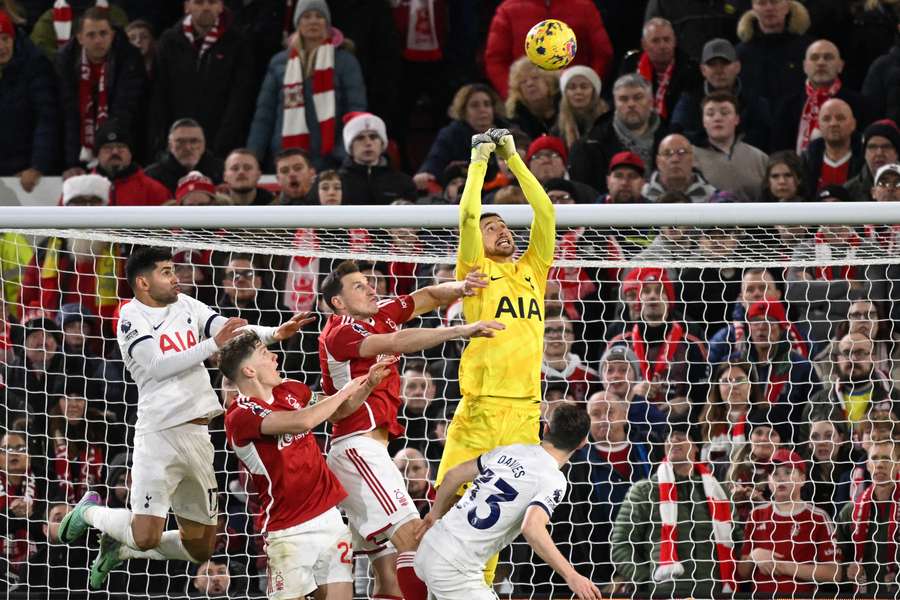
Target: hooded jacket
[{"x": 379, "y": 184}]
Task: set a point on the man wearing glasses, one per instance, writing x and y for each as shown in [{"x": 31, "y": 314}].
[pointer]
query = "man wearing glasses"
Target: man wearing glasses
[
  {"x": 243, "y": 295},
  {"x": 17, "y": 502},
  {"x": 886, "y": 186},
  {"x": 675, "y": 172},
  {"x": 186, "y": 152}
]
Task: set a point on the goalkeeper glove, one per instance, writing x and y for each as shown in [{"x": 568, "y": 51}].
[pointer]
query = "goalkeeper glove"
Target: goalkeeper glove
[
  {"x": 482, "y": 146},
  {"x": 506, "y": 146}
]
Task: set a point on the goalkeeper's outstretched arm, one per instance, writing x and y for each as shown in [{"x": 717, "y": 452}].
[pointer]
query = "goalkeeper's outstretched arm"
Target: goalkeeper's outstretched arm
[
  {"x": 471, "y": 246},
  {"x": 542, "y": 240}
]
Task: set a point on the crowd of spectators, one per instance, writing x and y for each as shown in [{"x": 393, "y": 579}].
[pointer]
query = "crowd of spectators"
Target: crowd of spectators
[{"x": 771, "y": 390}]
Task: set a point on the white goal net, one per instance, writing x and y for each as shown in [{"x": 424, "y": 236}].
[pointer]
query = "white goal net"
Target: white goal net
[{"x": 760, "y": 341}]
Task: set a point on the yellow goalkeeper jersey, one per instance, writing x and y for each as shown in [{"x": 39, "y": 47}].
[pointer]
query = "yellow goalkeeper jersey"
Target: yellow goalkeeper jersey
[{"x": 508, "y": 364}]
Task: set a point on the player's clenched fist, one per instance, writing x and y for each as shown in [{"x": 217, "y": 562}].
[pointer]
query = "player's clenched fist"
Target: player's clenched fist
[
  {"x": 482, "y": 146},
  {"x": 503, "y": 139},
  {"x": 230, "y": 330},
  {"x": 481, "y": 329}
]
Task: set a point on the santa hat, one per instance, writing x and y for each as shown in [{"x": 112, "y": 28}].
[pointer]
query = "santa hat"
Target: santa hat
[
  {"x": 357, "y": 122},
  {"x": 195, "y": 181},
  {"x": 547, "y": 142},
  {"x": 96, "y": 186},
  {"x": 62, "y": 20},
  {"x": 638, "y": 277},
  {"x": 771, "y": 310},
  {"x": 6, "y": 25}
]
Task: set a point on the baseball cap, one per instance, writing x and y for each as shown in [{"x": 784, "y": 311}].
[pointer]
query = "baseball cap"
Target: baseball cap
[
  {"x": 834, "y": 192},
  {"x": 784, "y": 456},
  {"x": 627, "y": 159},
  {"x": 718, "y": 48},
  {"x": 888, "y": 168}
]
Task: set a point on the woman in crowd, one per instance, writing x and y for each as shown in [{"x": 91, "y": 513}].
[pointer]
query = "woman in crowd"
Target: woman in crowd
[
  {"x": 723, "y": 421},
  {"x": 317, "y": 72},
  {"x": 580, "y": 105},
  {"x": 533, "y": 99},
  {"x": 784, "y": 182},
  {"x": 829, "y": 454}
]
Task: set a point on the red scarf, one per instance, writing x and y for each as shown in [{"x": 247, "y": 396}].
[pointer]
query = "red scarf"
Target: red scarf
[
  {"x": 294, "y": 131},
  {"x": 62, "y": 20},
  {"x": 670, "y": 347},
  {"x": 93, "y": 103},
  {"x": 834, "y": 272},
  {"x": 89, "y": 462},
  {"x": 574, "y": 282},
  {"x": 862, "y": 516},
  {"x": 209, "y": 40},
  {"x": 738, "y": 431},
  {"x": 809, "y": 118},
  {"x": 645, "y": 68},
  {"x": 421, "y": 34}
]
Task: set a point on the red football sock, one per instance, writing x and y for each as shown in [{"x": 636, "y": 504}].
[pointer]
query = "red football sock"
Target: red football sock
[{"x": 412, "y": 587}]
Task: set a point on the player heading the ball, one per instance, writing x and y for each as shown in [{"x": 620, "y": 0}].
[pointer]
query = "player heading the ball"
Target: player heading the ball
[
  {"x": 500, "y": 377},
  {"x": 268, "y": 425},
  {"x": 164, "y": 337},
  {"x": 515, "y": 490}
]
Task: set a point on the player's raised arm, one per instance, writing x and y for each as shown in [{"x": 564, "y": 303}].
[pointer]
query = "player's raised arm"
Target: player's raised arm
[
  {"x": 542, "y": 240},
  {"x": 471, "y": 247},
  {"x": 428, "y": 298},
  {"x": 418, "y": 339}
]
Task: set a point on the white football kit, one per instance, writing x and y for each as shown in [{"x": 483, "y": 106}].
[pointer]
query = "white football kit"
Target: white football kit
[
  {"x": 488, "y": 518},
  {"x": 164, "y": 349}
]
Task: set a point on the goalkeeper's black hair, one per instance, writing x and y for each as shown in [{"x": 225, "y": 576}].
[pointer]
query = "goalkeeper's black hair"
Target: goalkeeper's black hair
[
  {"x": 233, "y": 354},
  {"x": 142, "y": 260},
  {"x": 569, "y": 426},
  {"x": 489, "y": 214},
  {"x": 332, "y": 285}
]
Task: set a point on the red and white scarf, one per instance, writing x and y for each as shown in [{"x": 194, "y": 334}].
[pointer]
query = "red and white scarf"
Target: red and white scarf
[
  {"x": 62, "y": 20},
  {"x": 824, "y": 255},
  {"x": 294, "y": 131},
  {"x": 645, "y": 68},
  {"x": 93, "y": 103},
  {"x": 421, "y": 34},
  {"x": 665, "y": 355},
  {"x": 862, "y": 516},
  {"x": 89, "y": 463},
  {"x": 574, "y": 282},
  {"x": 809, "y": 118},
  {"x": 212, "y": 36},
  {"x": 719, "y": 506}
]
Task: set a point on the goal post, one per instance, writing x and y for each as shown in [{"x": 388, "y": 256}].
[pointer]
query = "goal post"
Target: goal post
[{"x": 653, "y": 313}]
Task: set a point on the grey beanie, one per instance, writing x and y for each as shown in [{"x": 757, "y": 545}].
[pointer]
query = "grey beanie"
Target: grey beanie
[
  {"x": 317, "y": 5},
  {"x": 625, "y": 353}
]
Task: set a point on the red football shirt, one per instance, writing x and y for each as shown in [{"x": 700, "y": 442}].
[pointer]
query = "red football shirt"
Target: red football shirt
[
  {"x": 805, "y": 536},
  {"x": 289, "y": 473},
  {"x": 340, "y": 360}
]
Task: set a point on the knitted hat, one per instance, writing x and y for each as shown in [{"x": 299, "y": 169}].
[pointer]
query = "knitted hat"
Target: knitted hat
[
  {"x": 112, "y": 132},
  {"x": 85, "y": 185},
  {"x": 72, "y": 311},
  {"x": 586, "y": 72},
  {"x": 547, "y": 142},
  {"x": 308, "y": 5},
  {"x": 624, "y": 354},
  {"x": 638, "y": 277},
  {"x": 357, "y": 122},
  {"x": 558, "y": 184},
  {"x": 771, "y": 310},
  {"x": 885, "y": 128},
  {"x": 195, "y": 181},
  {"x": 6, "y": 25}
]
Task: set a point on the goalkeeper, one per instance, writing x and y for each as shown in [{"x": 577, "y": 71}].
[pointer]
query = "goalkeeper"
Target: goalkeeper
[{"x": 500, "y": 377}]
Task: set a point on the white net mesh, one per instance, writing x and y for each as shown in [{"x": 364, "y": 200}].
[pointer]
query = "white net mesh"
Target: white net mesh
[{"x": 651, "y": 323}]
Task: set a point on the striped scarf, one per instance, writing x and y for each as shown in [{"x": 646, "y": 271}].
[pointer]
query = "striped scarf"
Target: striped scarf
[
  {"x": 93, "y": 104},
  {"x": 212, "y": 36},
  {"x": 719, "y": 511},
  {"x": 62, "y": 20},
  {"x": 809, "y": 118},
  {"x": 89, "y": 465},
  {"x": 645, "y": 68},
  {"x": 862, "y": 517},
  {"x": 824, "y": 252},
  {"x": 294, "y": 131}
]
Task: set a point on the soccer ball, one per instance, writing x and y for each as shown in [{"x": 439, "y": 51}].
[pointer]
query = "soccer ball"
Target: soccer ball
[{"x": 550, "y": 45}]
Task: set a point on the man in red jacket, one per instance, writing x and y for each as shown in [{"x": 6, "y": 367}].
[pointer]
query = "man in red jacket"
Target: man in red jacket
[
  {"x": 513, "y": 19},
  {"x": 130, "y": 185}
]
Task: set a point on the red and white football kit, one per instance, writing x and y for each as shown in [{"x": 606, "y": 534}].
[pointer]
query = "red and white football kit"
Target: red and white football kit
[
  {"x": 377, "y": 502},
  {"x": 307, "y": 543}
]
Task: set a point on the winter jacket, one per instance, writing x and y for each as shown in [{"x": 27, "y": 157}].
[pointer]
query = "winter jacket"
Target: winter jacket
[
  {"x": 882, "y": 85},
  {"x": 790, "y": 109},
  {"x": 533, "y": 125},
  {"x": 168, "y": 170},
  {"x": 381, "y": 184},
  {"x": 860, "y": 187},
  {"x": 699, "y": 191},
  {"x": 589, "y": 156},
  {"x": 216, "y": 88},
  {"x": 685, "y": 77},
  {"x": 878, "y": 563},
  {"x": 830, "y": 401},
  {"x": 265, "y": 129},
  {"x": 756, "y": 117},
  {"x": 725, "y": 345},
  {"x": 514, "y": 18},
  {"x": 636, "y": 544},
  {"x": 698, "y": 21},
  {"x": 29, "y": 111},
  {"x": 133, "y": 187},
  {"x": 772, "y": 64},
  {"x": 44, "y": 34},
  {"x": 454, "y": 143},
  {"x": 815, "y": 153},
  {"x": 864, "y": 36},
  {"x": 742, "y": 171},
  {"x": 786, "y": 412},
  {"x": 126, "y": 81}
]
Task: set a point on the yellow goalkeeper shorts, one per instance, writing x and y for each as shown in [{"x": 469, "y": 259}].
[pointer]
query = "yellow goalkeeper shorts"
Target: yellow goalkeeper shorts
[{"x": 486, "y": 422}]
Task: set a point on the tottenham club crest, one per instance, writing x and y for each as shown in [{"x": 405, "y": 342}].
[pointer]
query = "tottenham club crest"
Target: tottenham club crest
[{"x": 125, "y": 326}]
